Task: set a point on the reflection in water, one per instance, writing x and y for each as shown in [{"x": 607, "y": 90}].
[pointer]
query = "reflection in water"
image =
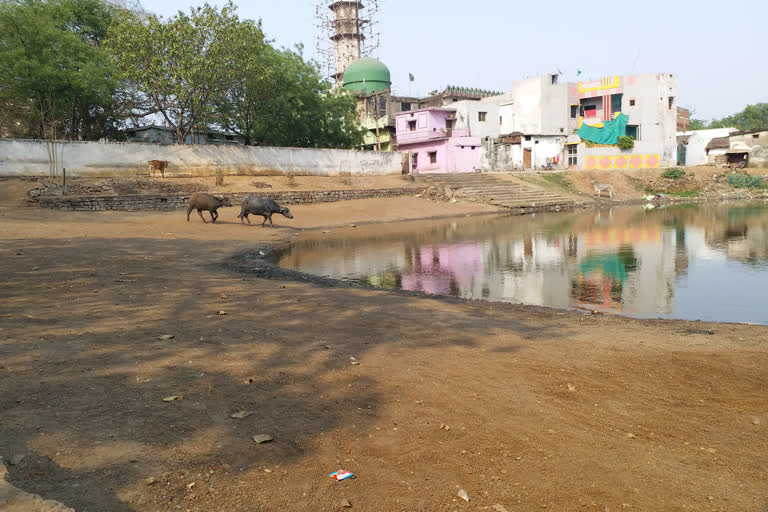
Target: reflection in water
[{"x": 695, "y": 262}]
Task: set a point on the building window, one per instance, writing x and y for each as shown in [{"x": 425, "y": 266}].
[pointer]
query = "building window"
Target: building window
[
  {"x": 481, "y": 116},
  {"x": 632, "y": 102},
  {"x": 415, "y": 160},
  {"x": 473, "y": 147},
  {"x": 574, "y": 111},
  {"x": 616, "y": 102},
  {"x": 572, "y": 160},
  {"x": 527, "y": 137},
  {"x": 433, "y": 157},
  {"x": 755, "y": 135},
  {"x": 671, "y": 100},
  {"x": 411, "y": 126},
  {"x": 404, "y": 106},
  {"x": 590, "y": 111},
  {"x": 633, "y": 131},
  {"x": 554, "y": 79}
]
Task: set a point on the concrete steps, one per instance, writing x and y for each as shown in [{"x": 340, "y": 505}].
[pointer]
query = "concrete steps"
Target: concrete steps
[{"x": 493, "y": 190}]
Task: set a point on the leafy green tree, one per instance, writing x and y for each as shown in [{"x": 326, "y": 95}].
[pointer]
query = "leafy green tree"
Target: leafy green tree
[
  {"x": 726, "y": 122},
  {"x": 53, "y": 69},
  {"x": 182, "y": 65},
  {"x": 753, "y": 117},
  {"x": 697, "y": 124},
  {"x": 282, "y": 100}
]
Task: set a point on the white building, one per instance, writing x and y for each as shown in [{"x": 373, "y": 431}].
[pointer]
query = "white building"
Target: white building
[
  {"x": 696, "y": 145},
  {"x": 538, "y": 118},
  {"x": 648, "y": 100}
]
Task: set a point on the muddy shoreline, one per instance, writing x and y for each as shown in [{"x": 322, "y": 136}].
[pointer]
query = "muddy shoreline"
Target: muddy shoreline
[{"x": 104, "y": 316}]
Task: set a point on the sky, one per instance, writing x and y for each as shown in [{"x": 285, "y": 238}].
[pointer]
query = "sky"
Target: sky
[{"x": 717, "y": 50}]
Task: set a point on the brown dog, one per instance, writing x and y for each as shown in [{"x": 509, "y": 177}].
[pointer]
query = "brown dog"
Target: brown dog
[{"x": 158, "y": 165}]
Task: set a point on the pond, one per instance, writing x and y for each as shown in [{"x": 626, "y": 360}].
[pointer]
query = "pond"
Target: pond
[{"x": 696, "y": 262}]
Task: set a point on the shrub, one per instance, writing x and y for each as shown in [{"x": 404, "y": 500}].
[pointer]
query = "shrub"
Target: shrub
[
  {"x": 673, "y": 173},
  {"x": 626, "y": 142},
  {"x": 746, "y": 181}
]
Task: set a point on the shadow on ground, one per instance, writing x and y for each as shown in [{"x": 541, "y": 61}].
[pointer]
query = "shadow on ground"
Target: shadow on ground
[{"x": 83, "y": 373}]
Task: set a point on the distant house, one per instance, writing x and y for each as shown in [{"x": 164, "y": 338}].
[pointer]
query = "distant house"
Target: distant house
[
  {"x": 434, "y": 142},
  {"x": 692, "y": 146},
  {"x": 162, "y": 135},
  {"x": 377, "y": 107},
  {"x": 716, "y": 150},
  {"x": 452, "y": 94},
  {"x": 545, "y": 123},
  {"x": 749, "y": 145}
]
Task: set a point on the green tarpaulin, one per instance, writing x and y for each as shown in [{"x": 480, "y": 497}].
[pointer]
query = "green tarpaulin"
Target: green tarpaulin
[
  {"x": 608, "y": 134},
  {"x": 610, "y": 264}
]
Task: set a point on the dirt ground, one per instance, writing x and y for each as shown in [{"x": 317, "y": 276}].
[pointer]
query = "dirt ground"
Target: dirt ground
[
  {"x": 710, "y": 181},
  {"x": 523, "y": 408}
]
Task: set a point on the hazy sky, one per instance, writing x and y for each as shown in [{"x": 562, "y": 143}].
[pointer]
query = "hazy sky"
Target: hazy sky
[{"x": 717, "y": 49}]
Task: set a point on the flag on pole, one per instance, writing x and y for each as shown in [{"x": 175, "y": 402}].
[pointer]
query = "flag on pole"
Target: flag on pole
[
  {"x": 410, "y": 77},
  {"x": 578, "y": 72}
]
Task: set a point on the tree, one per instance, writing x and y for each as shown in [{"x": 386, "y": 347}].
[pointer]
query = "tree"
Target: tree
[
  {"x": 282, "y": 100},
  {"x": 184, "y": 64},
  {"x": 753, "y": 117},
  {"x": 697, "y": 124},
  {"x": 53, "y": 68}
]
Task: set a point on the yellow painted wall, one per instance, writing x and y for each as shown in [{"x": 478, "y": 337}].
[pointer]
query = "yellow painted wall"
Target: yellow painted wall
[{"x": 603, "y": 162}]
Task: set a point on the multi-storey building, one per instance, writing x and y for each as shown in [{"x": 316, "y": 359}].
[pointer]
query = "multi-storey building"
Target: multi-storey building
[
  {"x": 539, "y": 123},
  {"x": 434, "y": 143},
  {"x": 644, "y": 104}
]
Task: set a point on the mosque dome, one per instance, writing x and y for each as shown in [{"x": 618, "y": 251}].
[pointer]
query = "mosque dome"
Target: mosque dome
[{"x": 367, "y": 74}]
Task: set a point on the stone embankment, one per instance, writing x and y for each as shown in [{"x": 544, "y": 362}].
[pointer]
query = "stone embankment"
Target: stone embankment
[
  {"x": 167, "y": 202},
  {"x": 486, "y": 188}
]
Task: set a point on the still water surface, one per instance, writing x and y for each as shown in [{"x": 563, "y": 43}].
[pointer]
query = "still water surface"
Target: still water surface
[{"x": 696, "y": 262}]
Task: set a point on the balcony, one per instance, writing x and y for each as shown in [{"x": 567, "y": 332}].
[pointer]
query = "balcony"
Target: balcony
[{"x": 417, "y": 137}]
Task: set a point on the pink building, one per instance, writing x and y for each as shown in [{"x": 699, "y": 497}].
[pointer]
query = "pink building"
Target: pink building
[{"x": 435, "y": 145}]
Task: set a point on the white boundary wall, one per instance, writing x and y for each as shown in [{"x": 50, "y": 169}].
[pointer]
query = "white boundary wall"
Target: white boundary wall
[{"x": 30, "y": 158}]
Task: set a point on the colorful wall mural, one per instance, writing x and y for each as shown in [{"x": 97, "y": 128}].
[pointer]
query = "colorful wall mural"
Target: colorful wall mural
[
  {"x": 604, "y": 162},
  {"x": 609, "y": 88},
  {"x": 608, "y": 85}
]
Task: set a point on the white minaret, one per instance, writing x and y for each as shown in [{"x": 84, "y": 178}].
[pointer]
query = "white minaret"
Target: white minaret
[{"x": 347, "y": 37}]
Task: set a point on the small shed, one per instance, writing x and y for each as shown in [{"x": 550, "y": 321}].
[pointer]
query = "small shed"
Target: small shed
[
  {"x": 737, "y": 157},
  {"x": 717, "y": 149},
  {"x": 753, "y": 142}
]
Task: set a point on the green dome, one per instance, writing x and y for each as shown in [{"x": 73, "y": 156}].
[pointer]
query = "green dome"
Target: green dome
[{"x": 368, "y": 74}]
